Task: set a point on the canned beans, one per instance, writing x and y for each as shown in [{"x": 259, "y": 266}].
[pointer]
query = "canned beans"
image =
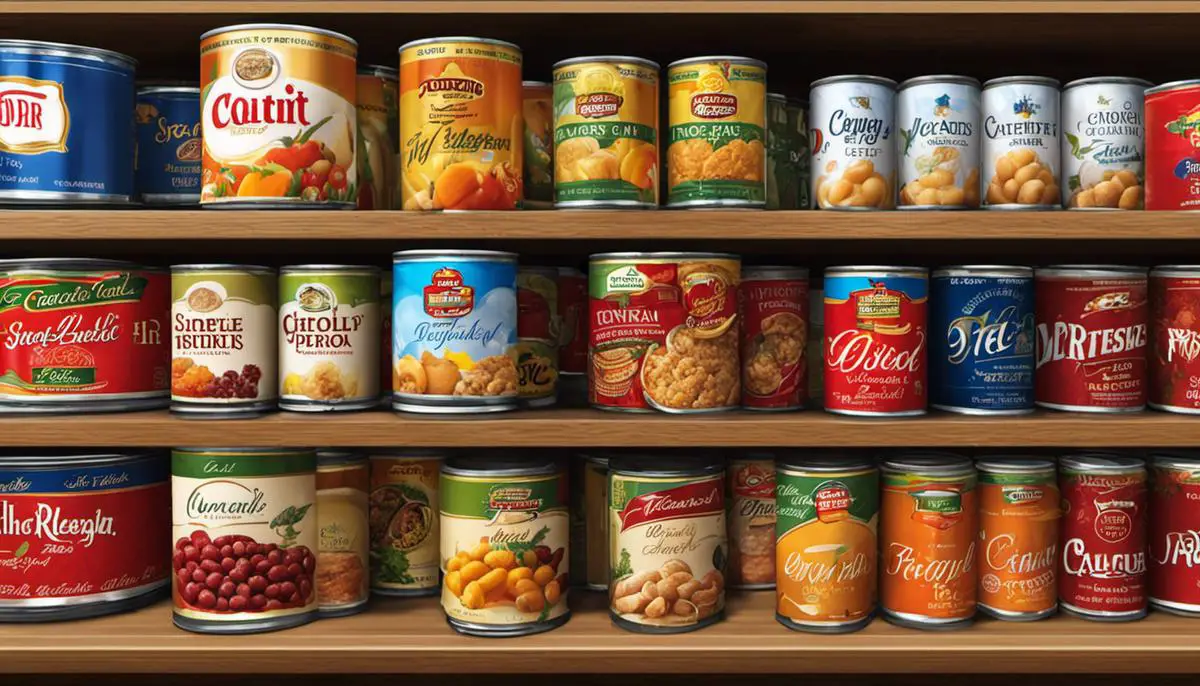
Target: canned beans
[
  {"x": 1021, "y": 157},
  {"x": 854, "y": 154}
]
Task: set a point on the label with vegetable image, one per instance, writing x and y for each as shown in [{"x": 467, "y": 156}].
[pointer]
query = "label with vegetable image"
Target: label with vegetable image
[
  {"x": 342, "y": 579},
  {"x": 404, "y": 524}
]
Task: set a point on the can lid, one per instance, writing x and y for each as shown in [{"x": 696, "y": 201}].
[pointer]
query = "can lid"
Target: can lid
[
  {"x": 930, "y": 463},
  {"x": 1095, "y": 270},
  {"x": 1176, "y": 270},
  {"x": 1173, "y": 85},
  {"x": 1103, "y": 463},
  {"x": 732, "y": 59},
  {"x": 871, "y": 268},
  {"x": 666, "y": 466},
  {"x": 777, "y": 97},
  {"x": 435, "y": 255},
  {"x": 206, "y": 450},
  {"x": 219, "y": 267},
  {"x": 280, "y": 27},
  {"x": 1036, "y": 80},
  {"x": 827, "y": 462},
  {"x": 336, "y": 457},
  {"x": 1001, "y": 464},
  {"x": 460, "y": 39},
  {"x": 37, "y": 47},
  {"x": 983, "y": 270},
  {"x": 939, "y": 78},
  {"x": 70, "y": 263},
  {"x": 1107, "y": 80},
  {"x": 677, "y": 256},
  {"x": 382, "y": 71},
  {"x": 317, "y": 268},
  {"x": 865, "y": 78},
  {"x": 536, "y": 84},
  {"x": 168, "y": 89},
  {"x": 606, "y": 59},
  {"x": 50, "y": 458},
  {"x": 597, "y": 459},
  {"x": 503, "y": 464},
  {"x": 1178, "y": 459}
]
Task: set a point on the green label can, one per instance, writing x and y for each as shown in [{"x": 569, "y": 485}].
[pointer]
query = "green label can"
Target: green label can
[{"x": 787, "y": 154}]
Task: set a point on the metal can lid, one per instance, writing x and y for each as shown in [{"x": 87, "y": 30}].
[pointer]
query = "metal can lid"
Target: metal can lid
[
  {"x": 280, "y": 27},
  {"x": 501, "y": 465},
  {"x": 671, "y": 256},
  {"x": 37, "y": 47},
  {"x": 1102, "y": 463},
  {"x": 996, "y": 270},
  {"x": 939, "y": 78},
  {"x": 1176, "y": 270},
  {"x": 666, "y": 465},
  {"x": 1031, "y": 80},
  {"x": 1173, "y": 86},
  {"x": 460, "y": 39},
  {"x": 219, "y": 267},
  {"x": 49, "y": 458},
  {"x": 857, "y": 78},
  {"x": 930, "y": 463},
  {"x": 732, "y": 59},
  {"x": 322, "y": 268},
  {"x": 892, "y": 270},
  {"x": 168, "y": 89},
  {"x": 773, "y": 272},
  {"x": 607, "y": 59},
  {"x": 596, "y": 459},
  {"x": 1002, "y": 464},
  {"x": 827, "y": 462},
  {"x": 1107, "y": 80},
  {"x": 536, "y": 84},
  {"x": 379, "y": 70},
  {"x": 70, "y": 264},
  {"x": 1081, "y": 271},
  {"x": 777, "y": 97},
  {"x": 437, "y": 255},
  {"x": 1177, "y": 459},
  {"x": 339, "y": 457}
]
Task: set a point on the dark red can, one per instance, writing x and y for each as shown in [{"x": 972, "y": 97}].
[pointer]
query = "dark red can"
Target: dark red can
[
  {"x": 1103, "y": 535},
  {"x": 1173, "y": 146},
  {"x": 1174, "y": 564},
  {"x": 774, "y": 326},
  {"x": 572, "y": 311},
  {"x": 1175, "y": 339},
  {"x": 1091, "y": 338}
]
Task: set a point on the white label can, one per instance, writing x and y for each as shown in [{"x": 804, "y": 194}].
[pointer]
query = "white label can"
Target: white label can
[
  {"x": 937, "y": 119},
  {"x": 1020, "y": 143},
  {"x": 854, "y": 152},
  {"x": 1103, "y": 143}
]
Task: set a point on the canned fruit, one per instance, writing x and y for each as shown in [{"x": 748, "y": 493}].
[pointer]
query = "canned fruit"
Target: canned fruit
[
  {"x": 377, "y": 105},
  {"x": 342, "y": 580},
  {"x": 1103, "y": 140},
  {"x": 168, "y": 145},
  {"x": 404, "y": 523},
  {"x": 1174, "y": 356},
  {"x": 854, "y": 154},
  {"x": 538, "y": 111},
  {"x": 774, "y": 329},
  {"x": 1018, "y": 530},
  {"x": 1174, "y": 567},
  {"x": 1021, "y": 156},
  {"x": 939, "y": 151}
]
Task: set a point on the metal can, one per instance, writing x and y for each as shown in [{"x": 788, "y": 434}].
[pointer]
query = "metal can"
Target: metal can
[
  {"x": 774, "y": 329},
  {"x": 850, "y": 134},
  {"x": 1174, "y": 564},
  {"x": 377, "y": 102},
  {"x": 875, "y": 330},
  {"x": 1174, "y": 357},
  {"x": 751, "y": 503},
  {"x": 717, "y": 113},
  {"x": 82, "y": 535},
  {"x": 538, "y": 330},
  {"x": 254, "y": 508},
  {"x": 1021, "y": 155},
  {"x": 788, "y": 163},
  {"x": 168, "y": 145},
  {"x": 573, "y": 314},
  {"x": 404, "y": 522},
  {"x": 595, "y": 505},
  {"x": 538, "y": 111},
  {"x": 815, "y": 350},
  {"x": 342, "y": 579},
  {"x": 83, "y": 336},
  {"x": 1103, "y": 536},
  {"x": 652, "y": 312},
  {"x": 939, "y": 151},
  {"x": 657, "y": 499},
  {"x": 1018, "y": 532},
  {"x": 1091, "y": 338},
  {"x": 1172, "y": 177},
  {"x": 278, "y": 117},
  {"x": 504, "y": 517},
  {"x": 981, "y": 351},
  {"x": 385, "y": 338},
  {"x": 1103, "y": 143},
  {"x": 328, "y": 337},
  {"x": 606, "y": 132}
]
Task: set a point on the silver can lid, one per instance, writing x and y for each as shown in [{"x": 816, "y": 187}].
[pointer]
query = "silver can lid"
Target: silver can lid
[
  {"x": 1102, "y": 463},
  {"x": 280, "y": 27},
  {"x": 438, "y": 255},
  {"x": 666, "y": 466},
  {"x": 501, "y": 465},
  {"x": 993, "y": 270},
  {"x": 606, "y": 59},
  {"x": 1028, "y": 80},
  {"x": 460, "y": 39},
  {"x": 1107, "y": 80},
  {"x": 854, "y": 78},
  {"x": 732, "y": 59},
  {"x": 1000, "y": 464},
  {"x": 930, "y": 463},
  {"x": 939, "y": 78},
  {"x": 827, "y": 462}
]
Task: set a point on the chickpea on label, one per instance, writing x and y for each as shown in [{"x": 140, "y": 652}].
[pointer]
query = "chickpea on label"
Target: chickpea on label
[
  {"x": 1021, "y": 156},
  {"x": 854, "y": 153},
  {"x": 938, "y": 122}
]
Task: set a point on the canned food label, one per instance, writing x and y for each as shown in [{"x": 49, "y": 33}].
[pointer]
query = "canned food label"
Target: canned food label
[
  {"x": 1103, "y": 542},
  {"x": 573, "y": 318},
  {"x": 342, "y": 579},
  {"x": 751, "y": 522},
  {"x": 1018, "y": 531},
  {"x": 787, "y": 157},
  {"x": 774, "y": 328},
  {"x": 1174, "y": 565},
  {"x": 1175, "y": 342},
  {"x": 404, "y": 523},
  {"x": 538, "y": 109},
  {"x": 1020, "y": 145},
  {"x": 595, "y": 503},
  {"x": 854, "y": 153},
  {"x": 1173, "y": 149},
  {"x": 378, "y": 112},
  {"x": 939, "y": 149},
  {"x": 1103, "y": 140},
  {"x": 168, "y": 146}
]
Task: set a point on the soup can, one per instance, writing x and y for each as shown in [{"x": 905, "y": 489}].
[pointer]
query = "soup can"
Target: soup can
[
  {"x": 787, "y": 153},
  {"x": 939, "y": 149},
  {"x": 854, "y": 152},
  {"x": 750, "y": 500},
  {"x": 1172, "y": 137},
  {"x": 573, "y": 318},
  {"x": 342, "y": 579},
  {"x": 537, "y": 107},
  {"x": 168, "y": 145},
  {"x": 404, "y": 522},
  {"x": 1174, "y": 564},
  {"x": 1174, "y": 357},
  {"x": 594, "y": 548},
  {"x": 1103, "y": 143},
  {"x": 773, "y": 303},
  {"x": 538, "y": 328},
  {"x": 1021, "y": 155},
  {"x": 378, "y": 107}
]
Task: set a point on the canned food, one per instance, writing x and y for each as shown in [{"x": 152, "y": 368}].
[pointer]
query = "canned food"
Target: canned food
[
  {"x": 223, "y": 351},
  {"x": 168, "y": 145},
  {"x": 460, "y": 121},
  {"x": 717, "y": 113},
  {"x": 1174, "y": 565},
  {"x": 656, "y": 587},
  {"x": 83, "y": 336},
  {"x": 787, "y": 154},
  {"x": 1021, "y": 155},
  {"x": 751, "y": 498},
  {"x": 981, "y": 354},
  {"x": 663, "y": 332},
  {"x": 854, "y": 153},
  {"x": 539, "y": 328},
  {"x": 385, "y": 338},
  {"x": 594, "y": 551},
  {"x": 815, "y": 350},
  {"x": 1103, "y": 142},
  {"x": 939, "y": 151},
  {"x": 1172, "y": 113},
  {"x": 774, "y": 329},
  {"x": 82, "y": 535},
  {"x": 1174, "y": 357},
  {"x": 328, "y": 337},
  {"x": 378, "y": 106},
  {"x": 278, "y": 117},
  {"x": 245, "y": 532},
  {"x": 342, "y": 580},
  {"x": 538, "y": 110},
  {"x": 505, "y": 528},
  {"x": 874, "y": 348},
  {"x": 454, "y": 319},
  {"x": 572, "y": 315},
  {"x": 404, "y": 522}
]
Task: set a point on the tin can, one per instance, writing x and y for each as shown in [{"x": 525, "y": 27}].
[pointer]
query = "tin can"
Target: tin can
[
  {"x": 83, "y": 336},
  {"x": 1175, "y": 338},
  {"x": 168, "y": 145},
  {"x": 939, "y": 151},
  {"x": 1172, "y": 113},
  {"x": 928, "y": 531},
  {"x": 253, "y": 507},
  {"x": 278, "y": 117},
  {"x": 875, "y": 330},
  {"x": 377, "y": 103},
  {"x": 1018, "y": 532},
  {"x": 1174, "y": 565},
  {"x": 657, "y": 499},
  {"x": 404, "y": 522},
  {"x": 595, "y": 506},
  {"x": 751, "y": 503},
  {"x": 981, "y": 351},
  {"x": 82, "y": 535},
  {"x": 504, "y": 517},
  {"x": 342, "y": 579},
  {"x": 460, "y": 122},
  {"x": 815, "y": 350},
  {"x": 717, "y": 137},
  {"x": 774, "y": 329},
  {"x": 573, "y": 314},
  {"x": 440, "y": 297},
  {"x": 827, "y": 511},
  {"x": 385, "y": 338},
  {"x": 850, "y": 134},
  {"x": 1091, "y": 338},
  {"x": 606, "y": 132},
  {"x": 538, "y": 328},
  {"x": 663, "y": 332},
  {"x": 1021, "y": 155},
  {"x": 788, "y": 163},
  {"x": 328, "y": 337},
  {"x": 538, "y": 110},
  {"x": 1103, "y": 143},
  {"x": 1103, "y": 573}
]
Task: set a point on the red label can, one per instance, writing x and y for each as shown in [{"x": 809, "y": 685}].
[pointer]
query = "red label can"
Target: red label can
[
  {"x": 1103, "y": 535},
  {"x": 1091, "y": 338},
  {"x": 572, "y": 311},
  {"x": 875, "y": 331},
  {"x": 1175, "y": 534},
  {"x": 1175, "y": 339},
  {"x": 774, "y": 315},
  {"x": 1173, "y": 146}
]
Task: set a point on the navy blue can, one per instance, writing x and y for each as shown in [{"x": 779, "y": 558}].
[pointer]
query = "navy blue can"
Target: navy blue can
[
  {"x": 168, "y": 145},
  {"x": 66, "y": 124},
  {"x": 981, "y": 352}
]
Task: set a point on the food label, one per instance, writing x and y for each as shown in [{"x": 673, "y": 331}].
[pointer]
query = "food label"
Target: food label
[
  {"x": 1020, "y": 145},
  {"x": 1018, "y": 533},
  {"x": 539, "y": 329},
  {"x": 1174, "y": 564},
  {"x": 1103, "y": 141},
  {"x": 774, "y": 330},
  {"x": 854, "y": 151},
  {"x": 538, "y": 110},
  {"x": 573, "y": 318},
  {"x": 788, "y": 162},
  {"x": 342, "y": 579},
  {"x": 1172, "y": 143},
  {"x": 168, "y": 146},
  {"x": 595, "y": 503},
  {"x": 379, "y": 127},
  {"x": 1175, "y": 342},
  {"x": 404, "y": 523},
  {"x": 939, "y": 145},
  {"x": 1103, "y": 540},
  {"x": 751, "y": 501}
]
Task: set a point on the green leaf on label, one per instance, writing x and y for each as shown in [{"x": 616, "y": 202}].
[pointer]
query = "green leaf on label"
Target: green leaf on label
[
  {"x": 392, "y": 566},
  {"x": 624, "y": 566},
  {"x": 412, "y": 493},
  {"x": 21, "y": 550},
  {"x": 519, "y": 547},
  {"x": 1074, "y": 141}
]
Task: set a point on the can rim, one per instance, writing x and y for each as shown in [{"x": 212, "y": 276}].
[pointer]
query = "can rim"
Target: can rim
[
  {"x": 218, "y": 267},
  {"x": 1107, "y": 79},
  {"x": 867, "y": 78},
  {"x": 1000, "y": 464},
  {"x": 607, "y": 59},
  {"x": 625, "y": 256},
  {"x": 317, "y": 268},
  {"x": 1024, "y": 78},
  {"x": 732, "y": 59},
  {"x": 1183, "y": 459},
  {"x": 37, "y": 47},
  {"x": 1104, "y": 463},
  {"x": 826, "y": 463},
  {"x": 390, "y": 73},
  {"x": 665, "y": 466},
  {"x": 460, "y": 39},
  {"x": 414, "y": 255},
  {"x": 860, "y": 269},
  {"x": 777, "y": 97},
  {"x": 72, "y": 263},
  {"x": 983, "y": 270},
  {"x": 339, "y": 457},
  {"x": 505, "y": 465},
  {"x": 392, "y": 453},
  {"x": 596, "y": 459},
  {"x": 181, "y": 89},
  {"x": 1172, "y": 85},
  {"x": 284, "y": 27},
  {"x": 1176, "y": 270},
  {"x": 97, "y": 459},
  {"x": 938, "y": 78},
  {"x": 235, "y": 450},
  {"x": 931, "y": 462},
  {"x": 1084, "y": 270},
  {"x": 536, "y": 84}
]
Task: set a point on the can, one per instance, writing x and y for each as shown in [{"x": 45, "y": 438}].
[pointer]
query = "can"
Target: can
[
  {"x": 1174, "y": 564},
  {"x": 538, "y": 110},
  {"x": 815, "y": 350},
  {"x": 1172, "y": 113},
  {"x": 168, "y": 145},
  {"x": 850, "y": 134},
  {"x": 385, "y": 337},
  {"x": 595, "y": 505},
  {"x": 328, "y": 337},
  {"x": 939, "y": 151},
  {"x": 827, "y": 510},
  {"x": 439, "y": 297},
  {"x": 1021, "y": 155},
  {"x": 928, "y": 529},
  {"x": 874, "y": 348},
  {"x": 538, "y": 328},
  {"x": 1103, "y": 143},
  {"x": 1103, "y": 573},
  {"x": 82, "y": 535},
  {"x": 788, "y": 163},
  {"x": 404, "y": 535},
  {"x": 83, "y": 336},
  {"x": 342, "y": 579},
  {"x": 751, "y": 503},
  {"x": 981, "y": 354},
  {"x": 1091, "y": 338},
  {"x": 454, "y": 90},
  {"x": 223, "y": 350},
  {"x": 1018, "y": 531},
  {"x": 663, "y": 332},
  {"x": 606, "y": 132},
  {"x": 1174, "y": 357},
  {"x": 717, "y": 114},
  {"x": 377, "y": 103},
  {"x": 278, "y": 117},
  {"x": 505, "y": 530},
  {"x": 774, "y": 330},
  {"x": 253, "y": 507},
  {"x": 573, "y": 315},
  {"x": 666, "y": 589}
]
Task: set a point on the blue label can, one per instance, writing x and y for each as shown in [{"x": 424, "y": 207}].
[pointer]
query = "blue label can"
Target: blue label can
[
  {"x": 168, "y": 145},
  {"x": 981, "y": 340},
  {"x": 66, "y": 124}
]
